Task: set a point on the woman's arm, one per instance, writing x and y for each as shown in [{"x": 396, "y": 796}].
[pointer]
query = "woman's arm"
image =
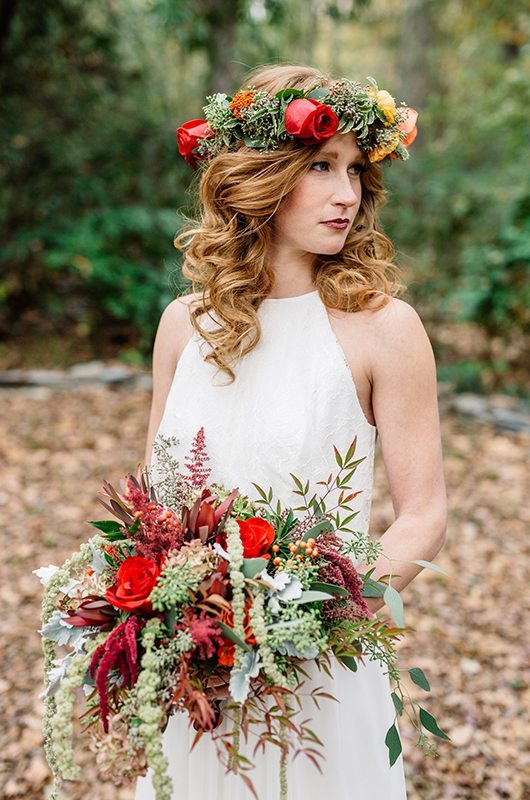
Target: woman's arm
[
  {"x": 405, "y": 406},
  {"x": 173, "y": 332}
]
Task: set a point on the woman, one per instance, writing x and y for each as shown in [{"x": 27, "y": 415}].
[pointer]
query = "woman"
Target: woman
[{"x": 295, "y": 343}]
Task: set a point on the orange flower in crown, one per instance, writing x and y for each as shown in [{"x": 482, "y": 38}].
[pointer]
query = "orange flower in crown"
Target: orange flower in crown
[{"x": 242, "y": 101}]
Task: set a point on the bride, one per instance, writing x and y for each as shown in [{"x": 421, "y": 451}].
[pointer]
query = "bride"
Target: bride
[{"x": 294, "y": 342}]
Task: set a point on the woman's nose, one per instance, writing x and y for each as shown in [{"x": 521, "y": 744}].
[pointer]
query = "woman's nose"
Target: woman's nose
[{"x": 346, "y": 193}]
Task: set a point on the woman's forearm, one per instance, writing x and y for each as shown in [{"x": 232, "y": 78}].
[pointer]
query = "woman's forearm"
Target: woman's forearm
[{"x": 409, "y": 538}]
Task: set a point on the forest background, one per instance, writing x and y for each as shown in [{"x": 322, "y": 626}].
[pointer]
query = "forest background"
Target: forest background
[{"x": 93, "y": 191}]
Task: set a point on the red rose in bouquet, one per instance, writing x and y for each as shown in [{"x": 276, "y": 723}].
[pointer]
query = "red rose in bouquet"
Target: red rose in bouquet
[
  {"x": 257, "y": 535},
  {"x": 310, "y": 121},
  {"x": 189, "y": 136},
  {"x": 135, "y": 580}
]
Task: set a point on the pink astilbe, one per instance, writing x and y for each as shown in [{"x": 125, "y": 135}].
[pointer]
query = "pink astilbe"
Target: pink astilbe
[
  {"x": 205, "y": 633},
  {"x": 339, "y": 570},
  {"x": 118, "y": 652},
  {"x": 159, "y": 528},
  {"x": 196, "y": 461}
]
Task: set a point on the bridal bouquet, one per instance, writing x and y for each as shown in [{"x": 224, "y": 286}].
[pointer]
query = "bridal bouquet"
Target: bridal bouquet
[{"x": 196, "y": 599}]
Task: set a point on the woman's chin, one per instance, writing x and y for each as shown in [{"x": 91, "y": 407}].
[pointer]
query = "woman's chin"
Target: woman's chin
[{"x": 331, "y": 250}]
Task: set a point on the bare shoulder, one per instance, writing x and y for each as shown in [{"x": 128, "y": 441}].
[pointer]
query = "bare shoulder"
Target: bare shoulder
[
  {"x": 398, "y": 347},
  {"x": 175, "y": 328},
  {"x": 394, "y": 312},
  {"x": 378, "y": 333},
  {"x": 397, "y": 328}
]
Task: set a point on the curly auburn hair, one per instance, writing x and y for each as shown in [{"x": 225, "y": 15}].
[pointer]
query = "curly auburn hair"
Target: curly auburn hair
[{"x": 226, "y": 247}]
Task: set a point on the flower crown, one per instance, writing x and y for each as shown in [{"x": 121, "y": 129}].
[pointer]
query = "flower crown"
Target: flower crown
[{"x": 262, "y": 121}]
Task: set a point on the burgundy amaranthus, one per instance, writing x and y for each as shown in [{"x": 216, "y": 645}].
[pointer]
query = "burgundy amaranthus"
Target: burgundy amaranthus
[
  {"x": 196, "y": 461},
  {"x": 339, "y": 570},
  {"x": 159, "y": 529},
  {"x": 119, "y": 652},
  {"x": 204, "y": 631}
]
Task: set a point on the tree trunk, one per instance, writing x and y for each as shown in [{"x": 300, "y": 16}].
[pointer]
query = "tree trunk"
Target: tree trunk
[
  {"x": 222, "y": 17},
  {"x": 7, "y": 12},
  {"x": 419, "y": 77}
]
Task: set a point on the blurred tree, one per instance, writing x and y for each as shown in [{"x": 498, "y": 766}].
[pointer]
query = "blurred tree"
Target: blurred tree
[
  {"x": 211, "y": 27},
  {"x": 82, "y": 132},
  {"x": 91, "y": 92}
]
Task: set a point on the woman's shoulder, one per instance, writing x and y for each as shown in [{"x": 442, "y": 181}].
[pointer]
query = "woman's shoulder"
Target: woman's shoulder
[
  {"x": 382, "y": 322},
  {"x": 397, "y": 336},
  {"x": 381, "y": 338},
  {"x": 178, "y": 310},
  {"x": 175, "y": 328},
  {"x": 395, "y": 317}
]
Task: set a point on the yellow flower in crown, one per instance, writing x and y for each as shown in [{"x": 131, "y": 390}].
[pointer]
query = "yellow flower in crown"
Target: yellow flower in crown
[
  {"x": 386, "y": 103},
  {"x": 385, "y": 148}
]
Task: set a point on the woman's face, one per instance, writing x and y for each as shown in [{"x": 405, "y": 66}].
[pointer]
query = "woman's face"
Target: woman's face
[{"x": 317, "y": 215}]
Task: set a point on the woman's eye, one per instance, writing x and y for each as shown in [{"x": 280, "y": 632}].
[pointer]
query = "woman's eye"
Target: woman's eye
[
  {"x": 317, "y": 164},
  {"x": 323, "y": 166}
]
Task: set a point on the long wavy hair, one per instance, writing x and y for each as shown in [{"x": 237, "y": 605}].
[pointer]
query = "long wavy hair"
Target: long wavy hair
[{"x": 226, "y": 246}]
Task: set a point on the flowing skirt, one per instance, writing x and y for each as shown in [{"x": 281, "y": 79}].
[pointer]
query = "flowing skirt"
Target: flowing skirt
[{"x": 353, "y": 731}]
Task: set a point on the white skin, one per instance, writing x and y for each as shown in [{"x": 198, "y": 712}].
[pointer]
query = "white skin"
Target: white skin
[
  {"x": 330, "y": 189},
  {"x": 387, "y": 350}
]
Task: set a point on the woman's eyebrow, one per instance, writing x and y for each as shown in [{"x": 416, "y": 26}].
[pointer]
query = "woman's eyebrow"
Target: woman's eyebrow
[{"x": 334, "y": 154}]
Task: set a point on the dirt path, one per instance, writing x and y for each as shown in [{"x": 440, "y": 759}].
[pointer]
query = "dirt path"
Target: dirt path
[{"x": 471, "y": 630}]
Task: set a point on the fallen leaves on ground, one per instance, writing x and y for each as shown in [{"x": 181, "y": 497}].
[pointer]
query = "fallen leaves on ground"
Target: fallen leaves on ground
[{"x": 470, "y": 630}]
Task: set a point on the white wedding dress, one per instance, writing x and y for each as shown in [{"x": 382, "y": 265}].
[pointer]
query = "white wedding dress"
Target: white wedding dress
[{"x": 293, "y": 399}]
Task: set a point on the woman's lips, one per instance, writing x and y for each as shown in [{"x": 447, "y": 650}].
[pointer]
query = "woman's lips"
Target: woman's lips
[{"x": 336, "y": 225}]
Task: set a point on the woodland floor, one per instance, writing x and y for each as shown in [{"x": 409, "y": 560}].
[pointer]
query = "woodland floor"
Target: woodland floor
[{"x": 470, "y": 630}]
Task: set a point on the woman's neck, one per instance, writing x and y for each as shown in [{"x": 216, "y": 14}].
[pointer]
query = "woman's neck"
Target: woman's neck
[{"x": 293, "y": 272}]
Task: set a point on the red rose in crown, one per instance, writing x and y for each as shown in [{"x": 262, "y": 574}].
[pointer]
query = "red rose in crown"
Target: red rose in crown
[
  {"x": 310, "y": 121},
  {"x": 189, "y": 136}
]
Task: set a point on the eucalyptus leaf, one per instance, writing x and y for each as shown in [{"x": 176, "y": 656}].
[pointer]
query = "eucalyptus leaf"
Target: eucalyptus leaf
[
  {"x": 373, "y": 588},
  {"x": 398, "y": 703},
  {"x": 251, "y": 566},
  {"x": 311, "y": 597},
  {"x": 418, "y": 676},
  {"x": 393, "y": 742},
  {"x": 320, "y": 527},
  {"x": 429, "y": 565},
  {"x": 394, "y": 602},
  {"x": 229, "y": 634},
  {"x": 430, "y": 724},
  {"x": 329, "y": 587}
]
